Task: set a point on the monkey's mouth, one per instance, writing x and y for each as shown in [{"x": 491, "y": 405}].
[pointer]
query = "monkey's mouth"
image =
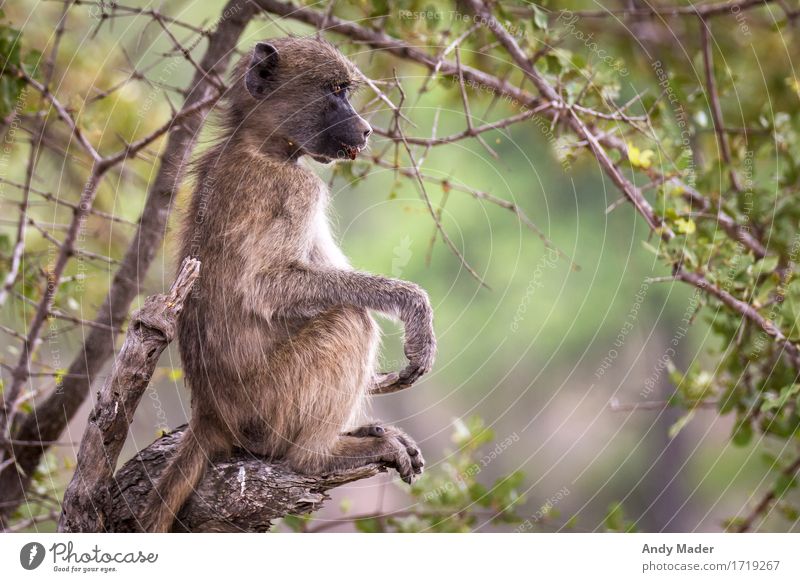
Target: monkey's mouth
[{"x": 352, "y": 151}]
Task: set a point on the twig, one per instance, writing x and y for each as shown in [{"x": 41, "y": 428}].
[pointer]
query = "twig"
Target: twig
[
  {"x": 716, "y": 108},
  {"x": 744, "y": 309},
  {"x": 424, "y": 194},
  {"x": 616, "y": 406},
  {"x": 549, "y": 93},
  {"x": 762, "y": 506},
  {"x": 705, "y": 10},
  {"x": 467, "y": 112}
]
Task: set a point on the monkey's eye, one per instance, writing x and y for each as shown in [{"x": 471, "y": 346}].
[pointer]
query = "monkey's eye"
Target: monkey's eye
[{"x": 340, "y": 89}]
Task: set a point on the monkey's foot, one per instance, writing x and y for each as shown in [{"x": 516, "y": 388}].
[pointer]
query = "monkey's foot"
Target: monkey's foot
[
  {"x": 401, "y": 452},
  {"x": 390, "y": 445}
]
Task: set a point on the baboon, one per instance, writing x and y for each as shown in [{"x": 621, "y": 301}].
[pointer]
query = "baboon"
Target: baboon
[{"x": 277, "y": 341}]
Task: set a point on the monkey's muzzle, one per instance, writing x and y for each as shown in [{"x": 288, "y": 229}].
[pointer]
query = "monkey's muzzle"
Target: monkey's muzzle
[{"x": 352, "y": 151}]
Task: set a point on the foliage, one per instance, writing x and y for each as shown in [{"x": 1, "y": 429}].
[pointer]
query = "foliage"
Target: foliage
[
  {"x": 704, "y": 147},
  {"x": 449, "y": 498}
]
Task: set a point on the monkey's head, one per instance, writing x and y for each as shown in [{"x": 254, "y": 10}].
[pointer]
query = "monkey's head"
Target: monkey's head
[{"x": 293, "y": 93}]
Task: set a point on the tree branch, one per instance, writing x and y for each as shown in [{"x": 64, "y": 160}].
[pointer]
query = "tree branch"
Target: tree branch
[
  {"x": 380, "y": 40},
  {"x": 152, "y": 328},
  {"x": 762, "y": 509},
  {"x": 549, "y": 93},
  {"x": 704, "y": 10},
  {"x": 716, "y": 108},
  {"x": 240, "y": 493},
  {"x": 745, "y": 310}
]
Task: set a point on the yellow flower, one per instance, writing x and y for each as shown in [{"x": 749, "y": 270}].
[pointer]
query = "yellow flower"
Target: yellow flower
[
  {"x": 640, "y": 158},
  {"x": 685, "y": 225},
  {"x": 794, "y": 83}
]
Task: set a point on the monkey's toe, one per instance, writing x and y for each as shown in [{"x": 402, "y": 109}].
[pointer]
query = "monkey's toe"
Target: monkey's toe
[
  {"x": 370, "y": 430},
  {"x": 407, "y": 458}
]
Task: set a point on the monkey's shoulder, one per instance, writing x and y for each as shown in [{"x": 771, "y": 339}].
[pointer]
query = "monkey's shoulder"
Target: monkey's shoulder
[{"x": 277, "y": 190}]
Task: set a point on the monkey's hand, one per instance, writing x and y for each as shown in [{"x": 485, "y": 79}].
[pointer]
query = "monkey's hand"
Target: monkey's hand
[{"x": 420, "y": 344}]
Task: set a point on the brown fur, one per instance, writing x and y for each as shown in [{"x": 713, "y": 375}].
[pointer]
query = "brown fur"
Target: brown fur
[{"x": 276, "y": 339}]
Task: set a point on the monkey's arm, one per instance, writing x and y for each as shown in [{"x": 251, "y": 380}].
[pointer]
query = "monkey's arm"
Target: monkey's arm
[{"x": 298, "y": 290}]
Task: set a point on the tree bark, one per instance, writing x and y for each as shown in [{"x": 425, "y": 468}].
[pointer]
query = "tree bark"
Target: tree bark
[{"x": 242, "y": 493}]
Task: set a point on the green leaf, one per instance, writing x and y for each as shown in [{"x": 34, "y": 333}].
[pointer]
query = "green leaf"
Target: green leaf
[
  {"x": 30, "y": 62},
  {"x": 294, "y": 522},
  {"x": 743, "y": 433},
  {"x": 768, "y": 264},
  {"x": 368, "y": 525},
  {"x": 778, "y": 402},
  {"x": 685, "y": 226},
  {"x": 784, "y": 483},
  {"x": 379, "y": 8},
  {"x": 431, "y": 23},
  {"x": 615, "y": 519},
  {"x": 479, "y": 494},
  {"x": 539, "y": 18},
  {"x": 680, "y": 424}
]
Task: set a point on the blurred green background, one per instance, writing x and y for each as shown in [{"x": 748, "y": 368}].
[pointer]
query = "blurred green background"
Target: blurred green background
[{"x": 541, "y": 356}]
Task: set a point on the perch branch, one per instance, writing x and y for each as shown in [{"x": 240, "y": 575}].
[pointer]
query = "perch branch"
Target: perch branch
[
  {"x": 240, "y": 493},
  {"x": 151, "y": 329}
]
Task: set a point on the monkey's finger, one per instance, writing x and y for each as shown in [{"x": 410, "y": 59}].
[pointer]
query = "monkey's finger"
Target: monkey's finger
[
  {"x": 389, "y": 384},
  {"x": 415, "y": 456},
  {"x": 376, "y": 431},
  {"x": 408, "y": 459},
  {"x": 411, "y": 374},
  {"x": 385, "y": 379},
  {"x": 417, "y": 463}
]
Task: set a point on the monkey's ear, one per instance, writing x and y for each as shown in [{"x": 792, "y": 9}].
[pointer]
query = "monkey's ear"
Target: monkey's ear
[{"x": 261, "y": 70}]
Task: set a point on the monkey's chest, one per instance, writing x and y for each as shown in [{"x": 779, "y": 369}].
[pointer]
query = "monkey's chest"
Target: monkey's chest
[{"x": 324, "y": 251}]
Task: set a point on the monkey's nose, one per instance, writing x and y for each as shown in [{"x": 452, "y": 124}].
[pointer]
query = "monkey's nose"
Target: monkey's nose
[{"x": 367, "y": 132}]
